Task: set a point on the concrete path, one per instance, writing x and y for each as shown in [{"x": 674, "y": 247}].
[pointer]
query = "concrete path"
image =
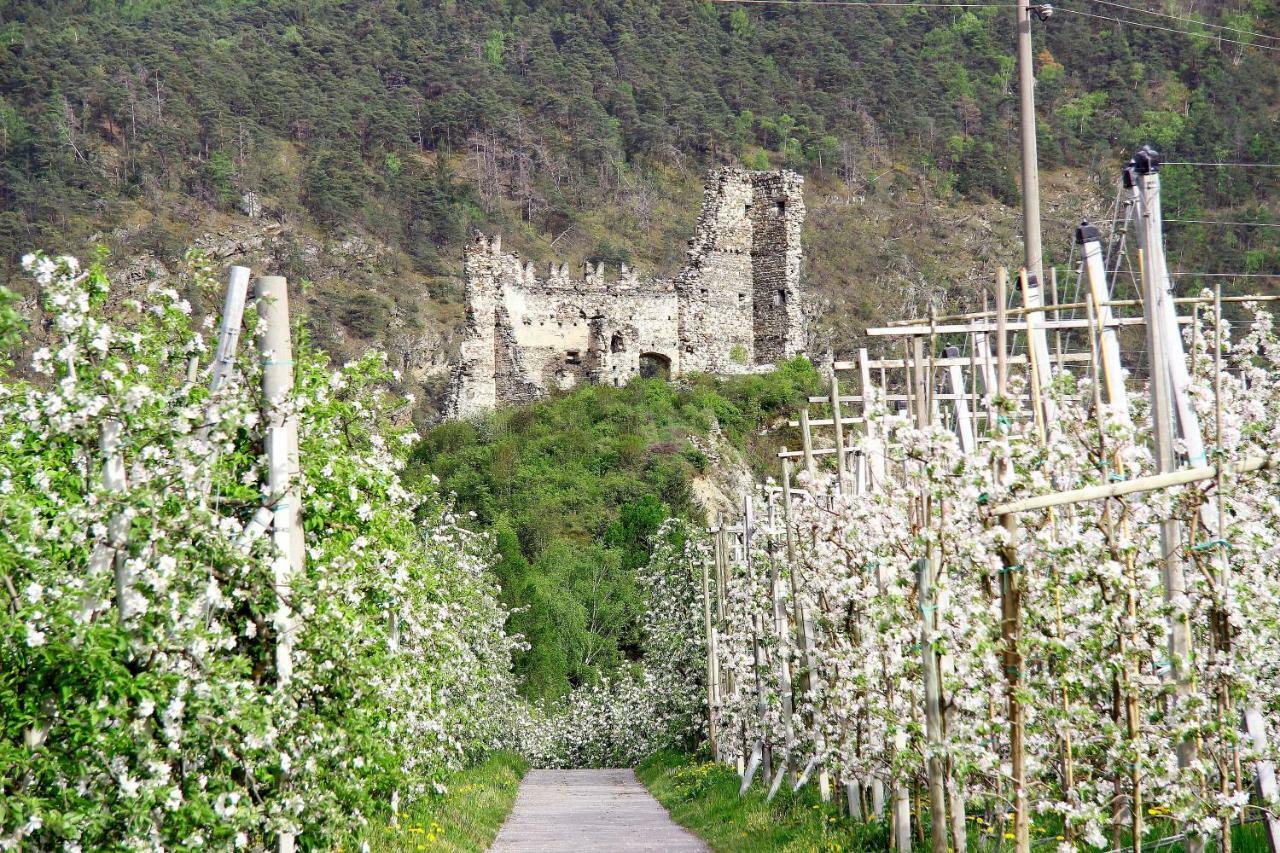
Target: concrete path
[{"x": 588, "y": 810}]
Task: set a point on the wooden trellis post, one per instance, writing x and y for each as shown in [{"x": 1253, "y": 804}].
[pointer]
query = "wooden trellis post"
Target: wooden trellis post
[
  {"x": 806, "y": 435},
  {"x": 1011, "y": 603},
  {"x": 710, "y": 639},
  {"x": 839, "y": 427}
]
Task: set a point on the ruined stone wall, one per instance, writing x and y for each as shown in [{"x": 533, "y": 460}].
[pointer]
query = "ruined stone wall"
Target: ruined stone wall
[
  {"x": 777, "y": 216},
  {"x": 734, "y": 308}
]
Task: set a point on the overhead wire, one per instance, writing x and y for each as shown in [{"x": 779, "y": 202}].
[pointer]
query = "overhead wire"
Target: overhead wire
[
  {"x": 1217, "y": 38},
  {"x": 1186, "y": 20},
  {"x": 1274, "y": 48},
  {"x": 1225, "y": 165},
  {"x": 1226, "y": 224},
  {"x": 869, "y": 3},
  {"x": 1228, "y": 274}
]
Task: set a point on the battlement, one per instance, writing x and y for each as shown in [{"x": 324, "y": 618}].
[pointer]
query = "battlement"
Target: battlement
[
  {"x": 735, "y": 307},
  {"x": 597, "y": 277}
]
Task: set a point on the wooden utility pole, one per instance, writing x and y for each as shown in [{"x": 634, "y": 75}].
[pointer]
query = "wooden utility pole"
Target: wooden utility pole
[{"x": 1030, "y": 168}]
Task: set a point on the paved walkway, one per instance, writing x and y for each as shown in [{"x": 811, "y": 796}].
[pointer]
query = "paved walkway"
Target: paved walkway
[{"x": 588, "y": 810}]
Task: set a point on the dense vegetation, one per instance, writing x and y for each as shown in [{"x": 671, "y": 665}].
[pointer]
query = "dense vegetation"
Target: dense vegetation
[
  {"x": 574, "y": 489},
  {"x": 562, "y": 124},
  {"x": 144, "y": 701},
  {"x": 166, "y": 683}
]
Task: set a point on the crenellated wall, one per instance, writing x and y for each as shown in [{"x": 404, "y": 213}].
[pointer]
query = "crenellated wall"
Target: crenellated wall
[{"x": 734, "y": 308}]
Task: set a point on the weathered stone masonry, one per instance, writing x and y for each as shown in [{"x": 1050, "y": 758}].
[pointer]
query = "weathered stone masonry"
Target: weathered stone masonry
[{"x": 734, "y": 308}]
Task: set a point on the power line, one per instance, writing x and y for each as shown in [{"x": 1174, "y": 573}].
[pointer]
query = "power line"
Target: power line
[
  {"x": 1229, "y": 224},
  {"x": 1230, "y": 165},
  {"x": 1185, "y": 20},
  {"x": 870, "y": 3},
  {"x": 1217, "y": 38},
  {"x": 882, "y": 3},
  {"x": 1228, "y": 274}
]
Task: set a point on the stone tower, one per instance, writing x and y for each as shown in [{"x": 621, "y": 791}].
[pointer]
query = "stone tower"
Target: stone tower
[
  {"x": 734, "y": 308},
  {"x": 740, "y": 292}
]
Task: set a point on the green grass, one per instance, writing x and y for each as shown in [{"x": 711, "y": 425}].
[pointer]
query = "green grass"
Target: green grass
[
  {"x": 703, "y": 797},
  {"x": 465, "y": 818}
]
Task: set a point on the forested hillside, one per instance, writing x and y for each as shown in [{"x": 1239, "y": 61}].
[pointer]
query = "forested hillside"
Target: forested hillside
[{"x": 375, "y": 134}]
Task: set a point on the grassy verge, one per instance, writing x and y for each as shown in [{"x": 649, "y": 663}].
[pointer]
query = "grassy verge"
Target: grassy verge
[
  {"x": 466, "y": 818},
  {"x": 703, "y": 797}
]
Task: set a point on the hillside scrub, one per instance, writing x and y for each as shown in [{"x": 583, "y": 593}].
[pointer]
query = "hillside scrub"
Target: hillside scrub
[
  {"x": 575, "y": 487},
  {"x": 561, "y": 126}
]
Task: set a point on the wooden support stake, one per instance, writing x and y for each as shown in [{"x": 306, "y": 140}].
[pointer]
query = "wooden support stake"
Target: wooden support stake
[
  {"x": 806, "y": 436},
  {"x": 875, "y": 460},
  {"x": 835, "y": 415},
  {"x": 1011, "y": 607},
  {"x": 710, "y": 640}
]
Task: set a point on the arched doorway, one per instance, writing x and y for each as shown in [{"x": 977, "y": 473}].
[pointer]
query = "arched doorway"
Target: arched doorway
[{"x": 654, "y": 365}]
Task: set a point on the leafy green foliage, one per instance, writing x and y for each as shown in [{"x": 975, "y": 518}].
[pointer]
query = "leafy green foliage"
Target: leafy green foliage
[
  {"x": 111, "y": 103},
  {"x": 574, "y": 489},
  {"x": 142, "y": 700}
]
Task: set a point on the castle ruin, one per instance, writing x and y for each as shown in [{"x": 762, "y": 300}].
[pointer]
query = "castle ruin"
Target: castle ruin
[{"x": 734, "y": 308}]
